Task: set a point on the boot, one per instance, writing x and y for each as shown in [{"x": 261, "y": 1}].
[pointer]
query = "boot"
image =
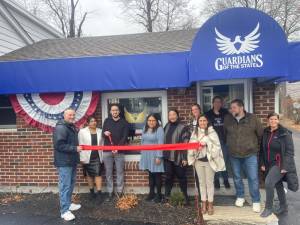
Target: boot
[
  {"x": 280, "y": 209},
  {"x": 99, "y": 196},
  {"x": 167, "y": 191},
  {"x": 150, "y": 196},
  {"x": 210, "y": 208},
  {"x": 167, "y": 195},
  {"x": 217, "y": 184},
  {"x": 226, "y": 184},
  {"x": 158, "y": 198},
  {"x": 266, "y": 213},
  {"x": 92, "y": 194},
  {"x": 204, "y": 207},
  {"x": 186, "y": 199}
]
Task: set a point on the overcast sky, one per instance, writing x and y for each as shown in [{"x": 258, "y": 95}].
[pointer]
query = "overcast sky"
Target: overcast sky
[{"x": 108, "y": 18}]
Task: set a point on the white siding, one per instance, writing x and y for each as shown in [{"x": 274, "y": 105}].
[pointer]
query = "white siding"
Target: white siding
[
  {"x": 36, "y": 32},
  {"x": 9, "y": 39},
  {"x": 15, "y": 35}
]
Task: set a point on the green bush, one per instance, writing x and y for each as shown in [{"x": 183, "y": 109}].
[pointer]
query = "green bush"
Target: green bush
[{"x": 177, "y": 199}]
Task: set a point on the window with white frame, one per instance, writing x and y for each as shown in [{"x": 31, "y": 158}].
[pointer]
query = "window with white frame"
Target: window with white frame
[
  {"x": 135, "y": 107},
  {"x": 8, "y": 116}
]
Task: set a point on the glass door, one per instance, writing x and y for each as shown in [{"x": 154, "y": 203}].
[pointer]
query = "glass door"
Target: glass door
[
  {"x": 207, "y": 96},
  {"x": 228, "y": 90}
]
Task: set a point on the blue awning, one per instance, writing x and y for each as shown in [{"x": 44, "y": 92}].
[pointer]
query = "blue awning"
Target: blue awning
[
  {"x": 239, "y": 43},
  {"x": 107, "y": 73},
  {"x": 235, "y": 43}
]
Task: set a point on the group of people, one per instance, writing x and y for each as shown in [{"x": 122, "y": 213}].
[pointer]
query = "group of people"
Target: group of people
[{"x": 226, "y": 138}]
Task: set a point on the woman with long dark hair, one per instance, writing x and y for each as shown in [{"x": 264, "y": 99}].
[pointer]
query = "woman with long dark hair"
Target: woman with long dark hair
[
  {"x": 195, "y": 113},
  {"x": 92, "y": 160},
  {"x": 175, "y": 162},
  {"x": 152, "y": 161},
  {"x": 207, "y": 160},
  {"x": 277, "y": 162}
]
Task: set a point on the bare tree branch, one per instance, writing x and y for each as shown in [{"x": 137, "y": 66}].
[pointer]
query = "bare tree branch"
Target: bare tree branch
[
  {"x": 79, "y": 30},
  {"x": 158, "y": 15},
  {"x": 285, "y": 12},
  {"x": 64, "y": 14}
]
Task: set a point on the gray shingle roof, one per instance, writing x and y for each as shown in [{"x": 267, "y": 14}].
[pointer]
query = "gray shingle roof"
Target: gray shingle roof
[{"x": 159, "y": 42}]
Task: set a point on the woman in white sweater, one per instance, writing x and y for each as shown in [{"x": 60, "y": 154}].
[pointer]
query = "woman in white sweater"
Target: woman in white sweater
[
  {"x": 206, "y": 160},
  {"x": 92, "y": 160}
]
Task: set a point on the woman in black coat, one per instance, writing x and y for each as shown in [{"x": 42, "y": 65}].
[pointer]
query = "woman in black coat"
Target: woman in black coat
[
  {"x": 175, "y": 162},
  {"x": 277, "y": 161}
]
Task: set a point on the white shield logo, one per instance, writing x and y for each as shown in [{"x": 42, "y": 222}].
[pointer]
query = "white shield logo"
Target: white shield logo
[{"x": 228, "y": 47}]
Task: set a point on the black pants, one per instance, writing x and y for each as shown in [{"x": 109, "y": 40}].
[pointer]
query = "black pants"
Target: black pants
[
  {"x": 172, "y": 170},
  {"x": 274, "y": 180},
  {"x": 155, "y": 180}
]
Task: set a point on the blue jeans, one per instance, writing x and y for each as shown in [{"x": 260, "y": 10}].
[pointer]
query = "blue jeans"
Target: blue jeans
[
  {"x": 67, "y": 178},
  {"x": 250, "y": 167},
  {"x": 224, "y": 174}
]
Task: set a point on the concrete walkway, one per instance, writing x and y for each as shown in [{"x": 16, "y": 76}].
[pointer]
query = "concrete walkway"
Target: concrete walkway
[{"x": 235, "y": 215}]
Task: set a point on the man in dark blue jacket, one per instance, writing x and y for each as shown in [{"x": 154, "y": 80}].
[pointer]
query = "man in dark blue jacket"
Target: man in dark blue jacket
[{"x": 66, "y": 158}]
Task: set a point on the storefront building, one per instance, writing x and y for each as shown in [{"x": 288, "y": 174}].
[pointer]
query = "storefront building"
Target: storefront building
[{"x": 238, "y": 53}]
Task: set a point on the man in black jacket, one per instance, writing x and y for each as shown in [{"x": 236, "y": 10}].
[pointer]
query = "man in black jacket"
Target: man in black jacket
[
  {"x": 115, "y": 132},
  {"x": 66, "y": 158},
  {"x": 216, "y": 117}
]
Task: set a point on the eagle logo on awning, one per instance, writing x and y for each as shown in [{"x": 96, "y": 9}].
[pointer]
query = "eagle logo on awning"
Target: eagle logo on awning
[{"x": 238, "y": 46}]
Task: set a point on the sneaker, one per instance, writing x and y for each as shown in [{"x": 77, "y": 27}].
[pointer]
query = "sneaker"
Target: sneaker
[
  {"x": 256, "y": 207},
  {"x": 240, "y": 202},
  {"x": 226, "y": 184},
  {"x": 266, "y": 213},
  {"x": 217, "y": 184},
  {"x": 68, "y": 216},
  {"x": 74, "y": 207}
]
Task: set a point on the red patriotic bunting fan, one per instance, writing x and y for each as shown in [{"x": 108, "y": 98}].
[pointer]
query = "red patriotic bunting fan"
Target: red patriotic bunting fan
[{"x": 44, "y": 110}]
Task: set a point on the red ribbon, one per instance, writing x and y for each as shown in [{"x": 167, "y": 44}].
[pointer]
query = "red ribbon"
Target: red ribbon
[{"x": 162, "y": 147}]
